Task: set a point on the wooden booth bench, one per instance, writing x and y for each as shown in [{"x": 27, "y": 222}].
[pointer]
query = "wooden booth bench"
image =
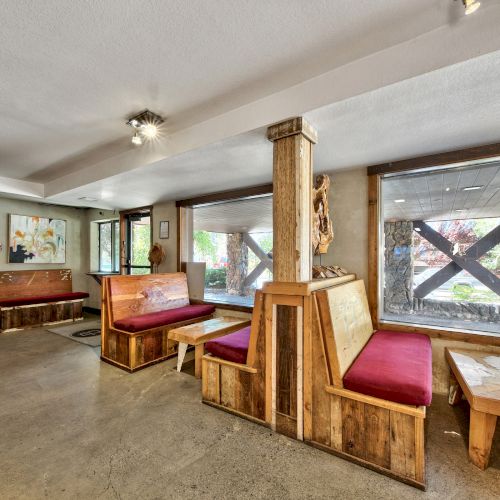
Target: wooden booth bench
[
  {"x": 137, "y": 314},
  {"x": 341, "y": 387},
  {"x": 35, "y": 298}
]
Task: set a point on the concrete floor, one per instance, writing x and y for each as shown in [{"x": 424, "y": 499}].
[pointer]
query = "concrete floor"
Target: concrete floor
[{"x": 74, "y": 427}]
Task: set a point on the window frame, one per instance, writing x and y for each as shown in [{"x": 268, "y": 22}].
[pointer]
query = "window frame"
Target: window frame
[
  {"x": 463, "y": 157},
  {"x": 114, "y": 262},
  {"x": 183, "y": 226}
]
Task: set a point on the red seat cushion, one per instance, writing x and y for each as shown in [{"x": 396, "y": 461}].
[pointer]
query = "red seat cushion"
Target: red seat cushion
[
  {"x": 395, "y": 367},
  {"x": 163, "y": 318},
  {"x": 41, "y": 299},
  {"x": 232, "y": 347}
]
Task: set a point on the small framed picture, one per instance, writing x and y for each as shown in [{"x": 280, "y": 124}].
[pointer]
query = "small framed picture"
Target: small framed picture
[{"x": 164, "y": 229}]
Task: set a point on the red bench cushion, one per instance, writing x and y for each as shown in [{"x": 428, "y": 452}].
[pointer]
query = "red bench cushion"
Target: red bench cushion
[
  {"x": 395, "y": 367},
  {"x": 232, "y": 347},
  {"x": 163, "y": 318},
  {"x": 41, "y": 299}
]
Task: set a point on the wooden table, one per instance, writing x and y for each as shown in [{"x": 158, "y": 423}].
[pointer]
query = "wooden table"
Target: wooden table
[
  {"x": 477, "y": 375},
  {"x": 199, "y": 333}
]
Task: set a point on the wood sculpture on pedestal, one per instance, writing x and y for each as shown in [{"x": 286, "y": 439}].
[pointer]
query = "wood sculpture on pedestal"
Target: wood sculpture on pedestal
[
  {"x": 156, "y": 256},
  {"x": 322, "y": 230}
]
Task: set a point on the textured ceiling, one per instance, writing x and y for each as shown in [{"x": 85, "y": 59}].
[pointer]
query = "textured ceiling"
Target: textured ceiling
[{"x": 73, "y": 71}]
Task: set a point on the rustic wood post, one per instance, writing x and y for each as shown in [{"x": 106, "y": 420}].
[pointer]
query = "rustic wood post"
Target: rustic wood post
[
  {"x": 292, "y": 262},
  {"x": 237, "y": 263}
]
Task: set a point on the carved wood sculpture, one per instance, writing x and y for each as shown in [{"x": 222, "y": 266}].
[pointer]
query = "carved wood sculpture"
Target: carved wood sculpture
[
  {"x": 322, "y": 230},
  {"x": 156, "y": 256},
  {"x": 322, "y": 272}
]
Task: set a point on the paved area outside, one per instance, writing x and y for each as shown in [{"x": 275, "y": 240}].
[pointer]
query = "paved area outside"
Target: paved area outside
[{"x": 74, "y": 427}]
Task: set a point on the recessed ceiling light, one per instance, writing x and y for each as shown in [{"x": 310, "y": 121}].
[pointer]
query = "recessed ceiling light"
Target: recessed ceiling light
[
  {"x": 399, "y": 201},
  {"x": 472, "y": 188},
  {"x": 87, "y": 198},
  {"x": 447, "y": 189}
]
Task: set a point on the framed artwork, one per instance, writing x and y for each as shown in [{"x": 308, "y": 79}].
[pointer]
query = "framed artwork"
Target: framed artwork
[
  {"x": 36, "y": 240},
  {"x": 164, "y": 229}
]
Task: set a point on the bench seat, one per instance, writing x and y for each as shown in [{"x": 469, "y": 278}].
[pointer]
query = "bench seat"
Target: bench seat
[
  {"x": 232, "y": 347},
  {"x": 394, "y": 366},
  {"x": 157, "y": 319},
  {"x": 42, "y": 299}
]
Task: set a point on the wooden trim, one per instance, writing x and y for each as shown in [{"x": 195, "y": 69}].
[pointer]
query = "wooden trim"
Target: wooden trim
[
  {"x": 220, "y": 361},
  {"x": 373, "y": 245},
  {"x": 236, "y": 412},
  {"x": 223, "y": 196},
  {"x": 414, "y": 411},
  {"x": 476, "y": 153},
  {"x": 180, "y": 214},
  {"x": 462, "y": 336},
  {"x": 304, "y": 288}
]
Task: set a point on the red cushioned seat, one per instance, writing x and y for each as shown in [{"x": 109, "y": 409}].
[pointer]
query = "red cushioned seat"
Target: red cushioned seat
[
  {"x": 232, "y": 347},
  {"x": 395, "y": 367},
  {"x": 163, "y": 318},
  {"x": 41, "y": 299}
]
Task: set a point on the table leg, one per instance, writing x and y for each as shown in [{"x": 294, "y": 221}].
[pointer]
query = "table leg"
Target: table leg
[
  {"x": 199, "y": 350},
  {"x": 455, "y": 391},
  {"x": 181, "y": 353},
  {"x": 481, "y": 430}
]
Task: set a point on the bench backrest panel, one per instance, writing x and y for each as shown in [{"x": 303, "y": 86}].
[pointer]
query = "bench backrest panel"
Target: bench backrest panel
[
  {"x": 142, "y": 294},
  {"x": 23, "y": 284},
  {"x": 346, "y": 325}
]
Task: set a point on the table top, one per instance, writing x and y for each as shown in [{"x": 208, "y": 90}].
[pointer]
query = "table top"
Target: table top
[
  {"x": 478, "y": 374},
  {"x": 199, "y": 333}
]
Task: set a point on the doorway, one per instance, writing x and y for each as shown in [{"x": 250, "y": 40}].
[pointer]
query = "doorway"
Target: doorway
[{"x": 137, "y": 241}]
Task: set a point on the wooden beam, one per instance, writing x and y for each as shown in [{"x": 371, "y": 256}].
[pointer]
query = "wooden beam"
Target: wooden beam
[
  {"x": 373, "y": 262},
  {"x": 437, "y": 160},
  {"x": 253, "y": 245},
  {"x": 474, "y": 252},
  {"x": 223, "y": 196},
  {"x": 472, "y": 266}
]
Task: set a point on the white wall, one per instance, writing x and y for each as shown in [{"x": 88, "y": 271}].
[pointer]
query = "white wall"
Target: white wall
[{"x": 75, "y": 235}]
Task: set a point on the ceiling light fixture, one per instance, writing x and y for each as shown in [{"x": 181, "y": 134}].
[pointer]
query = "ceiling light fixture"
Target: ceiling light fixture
[
  {"x": 471, "y": 6},
  {"x": 472, "y": 188},
  {"x": 146, "y": 124},
  {"x": 399, "y": 201},
  {"x": 447, "y": 189}
]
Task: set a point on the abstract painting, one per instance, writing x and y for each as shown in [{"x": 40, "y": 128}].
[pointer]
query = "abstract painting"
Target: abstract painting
[{"x": 36, "y": 240}]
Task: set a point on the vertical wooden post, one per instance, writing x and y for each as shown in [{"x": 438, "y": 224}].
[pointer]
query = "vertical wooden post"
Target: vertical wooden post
[{"x": 292, "y": 262}]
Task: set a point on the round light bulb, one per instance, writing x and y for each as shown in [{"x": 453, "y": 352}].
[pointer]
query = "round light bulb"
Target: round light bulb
[
  {"x": 150, "y": 131},
  {"x": 136, "y": 139},
  {"x": 471, "y": 7}
]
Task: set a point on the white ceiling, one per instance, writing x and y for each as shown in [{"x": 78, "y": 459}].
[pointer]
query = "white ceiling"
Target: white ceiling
[
  {"x": 72, "y": 72},
  {"x": 443, "y": 195}
]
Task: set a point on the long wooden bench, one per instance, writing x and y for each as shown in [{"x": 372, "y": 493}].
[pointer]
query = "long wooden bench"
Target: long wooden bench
[
  {"x": 137, "y": 314},
  {"x": 38, "y": 297}
]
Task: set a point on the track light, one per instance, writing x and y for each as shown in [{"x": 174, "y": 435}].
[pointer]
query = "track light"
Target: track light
[
  {"x": 146, "y": 125},
  {"x": 471, "y": 6}
]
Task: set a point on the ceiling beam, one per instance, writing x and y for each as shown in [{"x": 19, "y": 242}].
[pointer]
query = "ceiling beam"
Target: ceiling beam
[{"x": 19, "y": 187}]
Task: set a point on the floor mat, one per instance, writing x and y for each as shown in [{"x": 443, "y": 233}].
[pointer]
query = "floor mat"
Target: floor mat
[{"x": 86, "y": 332}]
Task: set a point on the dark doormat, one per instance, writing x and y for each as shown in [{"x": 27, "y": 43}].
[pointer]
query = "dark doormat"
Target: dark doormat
[{"x": 88, "y": 332}]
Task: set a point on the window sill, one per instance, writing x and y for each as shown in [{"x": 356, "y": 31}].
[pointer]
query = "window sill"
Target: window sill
[
  {"x": 224, "y": 305},
  {"x": 471, "y": 337}
]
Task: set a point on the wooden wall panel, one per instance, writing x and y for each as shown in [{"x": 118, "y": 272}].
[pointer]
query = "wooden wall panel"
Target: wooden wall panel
[
  {"x": 403, "y": 444},
  {"x": 353, "y": 428},
  {"x": 377, "y": 435}
]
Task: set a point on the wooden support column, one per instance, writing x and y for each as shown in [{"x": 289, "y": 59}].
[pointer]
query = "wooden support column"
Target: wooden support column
[{"x": 292, "y": 262}]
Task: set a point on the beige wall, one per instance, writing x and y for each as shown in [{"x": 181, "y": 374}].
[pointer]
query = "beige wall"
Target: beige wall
[
  {"x": 162, "y": 212},
  {"x": 349, "y": 212},
  {"x": 75, "y": 235}
]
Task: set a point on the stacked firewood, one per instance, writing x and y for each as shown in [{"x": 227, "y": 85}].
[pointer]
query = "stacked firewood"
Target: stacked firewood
[{"x": 322, "y": 272}]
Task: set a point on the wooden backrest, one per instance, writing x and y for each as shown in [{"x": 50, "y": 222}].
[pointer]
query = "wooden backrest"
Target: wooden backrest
[
  {"x": 23, "y": 284},
  {"x": 256, "y": 327},
  {"x": 346, "y": 325},
  {"x": 128, "y": 296}
]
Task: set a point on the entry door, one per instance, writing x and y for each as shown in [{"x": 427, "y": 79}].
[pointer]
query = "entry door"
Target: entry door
[{"x": 137, "y": 242}]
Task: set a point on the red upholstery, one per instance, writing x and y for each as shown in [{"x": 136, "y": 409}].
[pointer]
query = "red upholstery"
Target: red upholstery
[
  {"x": 163, "y": 318},
  {"x": 232, "y": 347},
  {"x": 42, "y": 299},
  {"x": 395, "y": 367}
]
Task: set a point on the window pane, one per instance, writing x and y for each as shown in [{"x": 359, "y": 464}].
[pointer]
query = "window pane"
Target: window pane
[
  {"x": 235, "y": 240},
  {"x": 141, "y": 241},
  {"x": 105, "y": 247},
  {"x": 116, "y": 249},
  {"x": 441, "y": 261}
]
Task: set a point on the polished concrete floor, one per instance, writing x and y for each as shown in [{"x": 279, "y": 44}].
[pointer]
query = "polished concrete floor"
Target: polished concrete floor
[{"x": 73, "y": 427}]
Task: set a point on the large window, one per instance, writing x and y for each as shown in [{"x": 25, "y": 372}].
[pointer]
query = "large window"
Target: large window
[
  {"x": 109, "y": 246},
  {"x": 441, "y": 248},
  {"x": 235, "y": 241}
]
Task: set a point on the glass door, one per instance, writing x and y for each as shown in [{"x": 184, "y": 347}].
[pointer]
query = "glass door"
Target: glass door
[{"x": 137, "y": 243}]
